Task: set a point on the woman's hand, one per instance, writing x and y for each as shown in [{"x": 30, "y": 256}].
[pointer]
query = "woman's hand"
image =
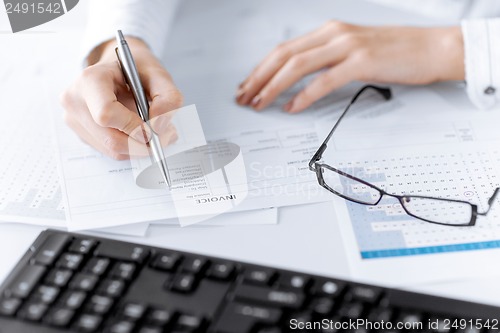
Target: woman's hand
[
  {"x": 101, "y": 110},
  {"x": 347, "y": 52}
]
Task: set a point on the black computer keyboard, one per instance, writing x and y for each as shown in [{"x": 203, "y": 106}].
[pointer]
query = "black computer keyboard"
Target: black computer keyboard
[{"x": 76, "y": 283}]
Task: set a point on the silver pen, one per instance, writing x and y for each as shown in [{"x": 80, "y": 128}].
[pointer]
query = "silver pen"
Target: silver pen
[{"x": 131, "y": 74}]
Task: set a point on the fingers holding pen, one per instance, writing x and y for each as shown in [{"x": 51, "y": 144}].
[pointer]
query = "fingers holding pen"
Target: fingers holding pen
[
  {"x": 99, "y": 91},
  {"x": 164, "y": 97},
  {"x": 110, "y": 142},
  {"x": 102, "y": 111}
]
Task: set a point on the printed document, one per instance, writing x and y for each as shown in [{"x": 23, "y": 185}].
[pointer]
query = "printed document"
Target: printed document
[{"x": 444, "y": 152}]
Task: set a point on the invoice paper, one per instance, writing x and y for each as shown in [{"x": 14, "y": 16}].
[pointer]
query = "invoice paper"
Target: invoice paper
[{"x": 103, "y": 192}]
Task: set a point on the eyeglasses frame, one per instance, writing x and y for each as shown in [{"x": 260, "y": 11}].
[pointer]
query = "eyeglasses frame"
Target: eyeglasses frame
[{"x": 317, "y": 167}]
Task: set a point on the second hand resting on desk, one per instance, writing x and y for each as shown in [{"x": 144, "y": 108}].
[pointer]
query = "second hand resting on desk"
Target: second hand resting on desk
[{"x": 131, "y": 75}]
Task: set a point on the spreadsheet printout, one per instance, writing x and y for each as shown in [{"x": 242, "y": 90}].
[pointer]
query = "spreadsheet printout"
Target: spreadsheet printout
[
  {"x": 454, "y": 156},
  {"x": 29, "y": 183}
]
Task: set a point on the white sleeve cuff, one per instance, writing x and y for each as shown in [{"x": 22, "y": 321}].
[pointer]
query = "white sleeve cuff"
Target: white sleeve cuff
[
  {"x": 148, "y": 20},
  {"x": 482, "y": 61}
]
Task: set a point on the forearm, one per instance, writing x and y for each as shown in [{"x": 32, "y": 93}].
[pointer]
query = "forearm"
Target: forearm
[{"x": 148, "y": 20}]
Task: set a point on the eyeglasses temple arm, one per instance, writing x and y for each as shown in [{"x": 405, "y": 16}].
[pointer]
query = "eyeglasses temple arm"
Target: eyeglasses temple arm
[
  {"x": 491, "y": 201},
  {"x": 384, "y": 92}
]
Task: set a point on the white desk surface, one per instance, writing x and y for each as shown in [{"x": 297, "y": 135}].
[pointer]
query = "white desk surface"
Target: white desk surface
[{"x": 298, "y": 242}]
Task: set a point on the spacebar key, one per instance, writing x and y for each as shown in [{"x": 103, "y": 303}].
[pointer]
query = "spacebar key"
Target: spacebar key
[
  {"x": 242, "y": 318},
  {"x": 271, "y": 297}
]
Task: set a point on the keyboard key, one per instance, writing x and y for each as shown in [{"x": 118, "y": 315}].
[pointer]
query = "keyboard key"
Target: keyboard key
[
  {"x": 122, "y": 326},
  {"x": 151, "y": 329},
  {"x": 123, "y": 270},
  {"x": 133, "y": 311},
  {"x": 99, "y": 304},
  {"x": 300, "y": 282},
  {"x": 166, "y": 261},
  {"x": 260, "y": 276},
  {"x": 83, "y": 246},
  {"x": 25, "y": 281},
  {"x": 468, "y": 330},
  {"x": 122, "y": 252},
  {"x": 351, "y": 310},
  {"x": 194, "y": 265},
  {"x": 184, "y": 283},
  {"x": 221, "y": 271},
  {"x": 84, "y": 282},
  {"x": 331, "y": 327},
  {"x": 243, "y": 318},
  {"x": 97, "y": 266},
  {"x": 381, "y": 314},
  {"x": 59, "y": 317},
  {"x": 51, "y": 249},
  {"x": 73, "y": 299},
  {"x": 46, "y": 294},
  {"x": 70, "y": 261},
  {"x": 322, "y": 306},
  {"x": 32, "y": 311},
  {"x": 366, "y": 294},
  {"x": 9, "y": 306},
  {"x": 302, "y": 318},
  {"x": 329, "y": 288},
  {"x": 364, "y": 329},
  {"x": 159, "y": 317},
  {"x": 189, "y": 322},
  {"x": 270, "y": 330},
  {"x": 112, "y": 288},
  {"x": 59, "y": 278},
  {"x": 88, "y": 323},
  {"x": 410, "y": 318},
  {"x": 271, "y": 297}
]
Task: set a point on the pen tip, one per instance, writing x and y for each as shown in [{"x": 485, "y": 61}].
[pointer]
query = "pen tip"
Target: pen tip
[
  {"x": 119, "y": 35},
  {"x": 164, "y": 172}
]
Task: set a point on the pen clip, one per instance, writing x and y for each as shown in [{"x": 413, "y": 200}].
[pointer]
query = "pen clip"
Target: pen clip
[{"x": 121, "y": 67}]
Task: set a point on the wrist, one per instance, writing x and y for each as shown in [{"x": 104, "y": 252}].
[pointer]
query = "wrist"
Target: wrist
[{"x": 451, "y": 54}]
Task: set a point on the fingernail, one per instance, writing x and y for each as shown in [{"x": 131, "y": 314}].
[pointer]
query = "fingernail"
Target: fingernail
[
  {"x": 241, "y": 99},
  {"x": 288, "y": 106},
  {"x": 240, "y": 93},
  {"x": 255, "y": 101}
]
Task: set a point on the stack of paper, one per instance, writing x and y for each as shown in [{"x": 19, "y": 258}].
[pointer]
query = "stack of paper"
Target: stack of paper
[{"x": 97, "y": 192}]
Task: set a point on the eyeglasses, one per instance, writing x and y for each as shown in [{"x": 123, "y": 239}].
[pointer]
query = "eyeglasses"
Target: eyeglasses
[{"x": 429, "y": 209}]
